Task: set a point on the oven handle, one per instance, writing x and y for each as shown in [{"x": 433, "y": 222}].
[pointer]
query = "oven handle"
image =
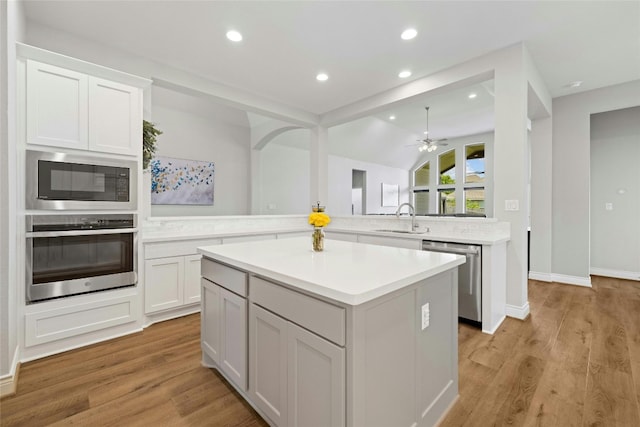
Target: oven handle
[{"x": 36, "y": 234}]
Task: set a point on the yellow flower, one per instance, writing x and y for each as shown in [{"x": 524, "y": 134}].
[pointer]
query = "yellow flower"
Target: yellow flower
[{"x": 319, "y": 219}]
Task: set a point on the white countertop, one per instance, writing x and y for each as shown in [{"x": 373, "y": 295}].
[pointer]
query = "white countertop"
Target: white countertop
[
  {"x": 469, "y": 237},
  {"x": 351, "y": 273}
]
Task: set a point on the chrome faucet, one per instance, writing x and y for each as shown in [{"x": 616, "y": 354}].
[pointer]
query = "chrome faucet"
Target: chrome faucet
[{"x": 412, "y": 212}]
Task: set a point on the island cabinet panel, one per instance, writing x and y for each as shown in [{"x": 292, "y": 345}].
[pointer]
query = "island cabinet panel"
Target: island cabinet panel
[
  {"x": 297, "y": 378},
  {"x": 209, "y": 324},
  {"x": 225, "y": 276},
  {"x": 233, "y": 337},
  {"x": 316, "y": 380},
  {"x": 268, "y": 363},
  {"x": 325, "y": 319}
]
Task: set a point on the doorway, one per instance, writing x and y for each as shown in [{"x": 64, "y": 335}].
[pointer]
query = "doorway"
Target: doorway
[{"x": 358, "y": 192}]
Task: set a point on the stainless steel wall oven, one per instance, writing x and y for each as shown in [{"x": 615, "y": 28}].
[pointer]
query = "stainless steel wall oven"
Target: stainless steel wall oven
[
  {"x": 64, "y": 181},
  {"x": 76, "y": 254}
]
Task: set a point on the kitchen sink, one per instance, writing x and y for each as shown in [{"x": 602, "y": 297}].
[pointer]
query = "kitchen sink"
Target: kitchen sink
[{"x": 402, "y": 231}]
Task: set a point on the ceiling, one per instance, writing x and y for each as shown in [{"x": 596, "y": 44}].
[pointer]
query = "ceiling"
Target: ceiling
[{"x": 357, "y": 43}]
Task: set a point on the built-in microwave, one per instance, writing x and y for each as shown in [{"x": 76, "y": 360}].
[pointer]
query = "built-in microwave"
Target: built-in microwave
[{"x": 71, "y": 181}]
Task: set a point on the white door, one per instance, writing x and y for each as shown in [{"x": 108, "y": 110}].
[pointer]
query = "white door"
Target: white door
[
  {"x": 115, "y": 122},
  {"x": 57, "y": 106},
  {"x": 210, "y": 320},
  {"x": 268, "y": 364},
  {"x": 316, "y": 380},
  {"x": 192, "y": 279},
  {"x": 164, "y": 283},
  {"x": 233, "y": 348}
]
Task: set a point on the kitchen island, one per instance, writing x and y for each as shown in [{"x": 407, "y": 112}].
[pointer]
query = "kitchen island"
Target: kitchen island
[{"x": 356, "y": 335}]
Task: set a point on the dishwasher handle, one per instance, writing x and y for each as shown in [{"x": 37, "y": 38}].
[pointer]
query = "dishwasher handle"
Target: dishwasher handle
[{"x": 449, "y": 250}]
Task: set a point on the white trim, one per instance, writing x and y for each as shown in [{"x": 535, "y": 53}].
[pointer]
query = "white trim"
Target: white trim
[
  {"x": 542, "y": 277},
  {"x": 572, "y": 280},
  {"x": 518, "y": 312},
  {"x": 495, "y": 327},
  {"x": 152, "y": 318},
  {"x": 9, "y": 382},
  {"x": 619, "y": 274}
]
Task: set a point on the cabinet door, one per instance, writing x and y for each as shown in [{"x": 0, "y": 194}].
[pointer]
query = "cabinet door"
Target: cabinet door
[
  {"x": 164, "y": 283},
  {"x": 115, "y": 122},
  {"x": 316, "y": 380},
  {"x": 210, "y": 320},
  {"x": 268, "y": 363},
  {"x": 233, "y": 336},
  {"x": 57, "y": 106},
  {"x": 192, "y": 279}
]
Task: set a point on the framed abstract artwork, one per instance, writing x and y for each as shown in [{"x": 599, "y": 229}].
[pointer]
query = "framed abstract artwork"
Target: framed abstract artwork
[{"x": 181, "y": 181}]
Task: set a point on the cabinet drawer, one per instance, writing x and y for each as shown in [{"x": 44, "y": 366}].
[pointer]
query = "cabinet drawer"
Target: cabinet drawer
[
  {"x": 183, "y": 247},
  {"x": 227, "y": 277},
  {"x": 324, "y": 319}
]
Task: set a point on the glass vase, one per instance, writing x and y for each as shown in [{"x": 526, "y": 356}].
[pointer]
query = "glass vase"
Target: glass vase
[{"x": 317, "y": 239}]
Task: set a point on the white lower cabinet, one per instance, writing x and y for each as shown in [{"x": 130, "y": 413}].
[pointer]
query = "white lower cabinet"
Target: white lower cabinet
[{"x": 171, "y": 282}]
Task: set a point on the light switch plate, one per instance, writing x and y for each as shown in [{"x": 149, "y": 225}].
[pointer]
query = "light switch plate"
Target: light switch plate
[
  {"x": 608, "y": 206},
  {"x": 425, "y": 316},
  {"x": 511, "y": 205}
]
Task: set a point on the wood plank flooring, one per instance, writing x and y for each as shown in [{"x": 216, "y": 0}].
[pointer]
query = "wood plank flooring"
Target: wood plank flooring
[{"x": 574, "y": 362}]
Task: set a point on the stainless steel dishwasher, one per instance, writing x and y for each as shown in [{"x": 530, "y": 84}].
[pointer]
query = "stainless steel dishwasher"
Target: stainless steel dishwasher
[{"x": 469, "y": 277}]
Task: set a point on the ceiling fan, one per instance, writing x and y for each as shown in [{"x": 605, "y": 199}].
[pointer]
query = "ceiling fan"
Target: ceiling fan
[{"x": 428, "y": 144}]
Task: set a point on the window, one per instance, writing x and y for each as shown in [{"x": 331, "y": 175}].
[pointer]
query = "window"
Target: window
[
  {"x": 447, "y": 162},
  {"x": 421, "y": 176},
  {"x": 447, "y": 200},
  {"x": 456, "y": 182},
  {"x": 447, "y": 181},
  {"x": 474, "y": 179},
  {"x": 474, "y": 167},
  {"x": 421, "y": 179}
]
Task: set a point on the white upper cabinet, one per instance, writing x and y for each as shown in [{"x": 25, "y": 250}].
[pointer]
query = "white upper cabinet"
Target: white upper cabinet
[
  {"x": 115, "y": 122},
  {"x": 57, "y": 107},
  {"x": 71, "y": 109}
]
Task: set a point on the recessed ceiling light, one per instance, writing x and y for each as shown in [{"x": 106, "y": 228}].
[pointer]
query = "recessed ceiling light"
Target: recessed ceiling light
[
  {"x": 472, "y": 95},
  {"x": 404, "y": 74},
  {"x": 392, "y": 117},
  {"x": 408, "y": 34},
  {"x": 322, "y": 77},
  {"x": 575, "y": 84},
  {"x": 234, "y": 36}
]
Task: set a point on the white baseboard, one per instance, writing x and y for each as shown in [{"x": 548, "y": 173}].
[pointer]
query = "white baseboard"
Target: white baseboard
[
  {"x": 572, "y": 280},
  {"x": 542, "y": 277},
  {"x": 9, "y": 382},
  {"x": 150, "y": 319},
  {"x": 518, "y": 312},
  {"x": 618, "y": 274}
]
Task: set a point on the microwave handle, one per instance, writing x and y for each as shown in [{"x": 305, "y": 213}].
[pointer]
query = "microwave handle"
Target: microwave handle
[{"x": 36, "y": 234}]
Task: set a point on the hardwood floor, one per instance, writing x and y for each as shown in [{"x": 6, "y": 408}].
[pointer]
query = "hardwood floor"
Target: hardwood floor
[{"x": 574, "y": 362}]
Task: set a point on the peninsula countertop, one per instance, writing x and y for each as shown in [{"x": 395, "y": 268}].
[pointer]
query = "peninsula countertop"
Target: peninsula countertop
[{"x": 351, "y": 273}]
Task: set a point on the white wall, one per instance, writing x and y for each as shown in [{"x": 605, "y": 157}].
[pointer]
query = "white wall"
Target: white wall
[
  {"x": 285, "y": 174},
  {"x": 340, "y": 169},
  {"x": 615, "y": 180},
  {"x": 541, "y": 208},
  {"x": 571, "y": 176},
  {"x": 199, "y": 136},
  {"x": 12, "y": 25}
]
